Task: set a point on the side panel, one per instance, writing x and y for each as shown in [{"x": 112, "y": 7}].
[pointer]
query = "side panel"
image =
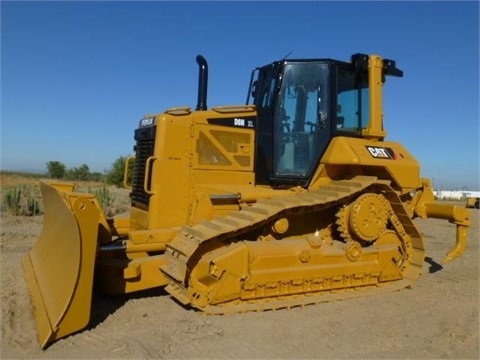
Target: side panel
[
  {"x": 222, "y": 162},
  {"x": 170, "y": 173},
  {"x": 347, "y": 157},
  {"x": 169, "y": 203}
]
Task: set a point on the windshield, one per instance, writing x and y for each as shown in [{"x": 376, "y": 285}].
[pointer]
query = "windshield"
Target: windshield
[{"x": 301, "y": 118}]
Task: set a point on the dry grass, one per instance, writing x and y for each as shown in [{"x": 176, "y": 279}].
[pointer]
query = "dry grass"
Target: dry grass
[
  {"x": 114, "y": 200},
  {"x": 8, "y": 179}
]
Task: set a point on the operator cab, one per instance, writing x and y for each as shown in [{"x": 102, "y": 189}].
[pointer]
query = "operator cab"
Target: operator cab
[{"x": 301, "y": 105}]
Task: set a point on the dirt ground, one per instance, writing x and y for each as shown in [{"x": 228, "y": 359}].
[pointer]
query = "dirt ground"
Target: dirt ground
[{"x": 437, "y": 318}]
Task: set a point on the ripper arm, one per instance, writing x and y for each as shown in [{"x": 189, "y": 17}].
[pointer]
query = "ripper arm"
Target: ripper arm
[{"x": 424, "y": 206}]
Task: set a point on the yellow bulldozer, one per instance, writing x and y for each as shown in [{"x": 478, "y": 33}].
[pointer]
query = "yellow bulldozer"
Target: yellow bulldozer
[
  {"x": 473, "y": 202},
  {"x": 292, "y": 199}
]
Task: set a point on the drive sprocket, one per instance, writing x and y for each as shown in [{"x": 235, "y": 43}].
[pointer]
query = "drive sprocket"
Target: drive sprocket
[{"x": 365, "y": 219}]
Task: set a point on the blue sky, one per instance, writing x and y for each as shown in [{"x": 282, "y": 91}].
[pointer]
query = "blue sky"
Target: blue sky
[{"x": 77, "y": 76}]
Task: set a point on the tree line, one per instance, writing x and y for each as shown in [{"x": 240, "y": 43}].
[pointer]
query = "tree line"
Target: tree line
[{"x": 113, "y": 176}]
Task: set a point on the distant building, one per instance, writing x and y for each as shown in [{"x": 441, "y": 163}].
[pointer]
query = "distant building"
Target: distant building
[{"x": 455, "y": 194}]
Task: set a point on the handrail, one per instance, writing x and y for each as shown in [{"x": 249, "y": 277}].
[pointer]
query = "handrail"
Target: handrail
[
  {"x": 147, "y": 175},
  {"x": 125, "y": 173}
]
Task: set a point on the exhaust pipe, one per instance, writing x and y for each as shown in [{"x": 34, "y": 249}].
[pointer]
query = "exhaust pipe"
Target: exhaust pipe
[{"x": 202, "y": 83}]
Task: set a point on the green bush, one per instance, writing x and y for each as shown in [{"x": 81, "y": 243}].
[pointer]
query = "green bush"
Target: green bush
[
  {"x": 12, "y": 199},
  {"x": 33, "y": 206},
  {"x": 21, "y": 200},
  {"x": 56, "y": 169},
  {"x": 105, "y": 199},
  {"x": 116, "y": 173}
]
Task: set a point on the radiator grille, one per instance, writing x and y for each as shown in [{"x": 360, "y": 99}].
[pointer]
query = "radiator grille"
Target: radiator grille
[{"x": 145, "y": 144}]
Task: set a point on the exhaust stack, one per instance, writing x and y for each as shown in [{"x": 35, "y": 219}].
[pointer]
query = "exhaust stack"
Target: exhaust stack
[{"x": 202, "y": 83}]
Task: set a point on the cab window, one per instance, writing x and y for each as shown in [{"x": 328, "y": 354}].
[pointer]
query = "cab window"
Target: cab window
[{"x": 352, "y": 101}]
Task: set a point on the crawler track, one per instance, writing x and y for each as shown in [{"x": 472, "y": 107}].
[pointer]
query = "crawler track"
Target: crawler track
[{"x": 223, "y": 265}]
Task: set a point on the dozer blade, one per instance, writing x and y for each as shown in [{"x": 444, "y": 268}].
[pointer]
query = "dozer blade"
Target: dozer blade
[{"x": 59, "y": 269}]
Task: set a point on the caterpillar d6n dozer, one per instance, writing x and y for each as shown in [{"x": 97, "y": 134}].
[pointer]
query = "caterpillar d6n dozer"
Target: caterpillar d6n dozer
[{"x": 291, "y": 199}]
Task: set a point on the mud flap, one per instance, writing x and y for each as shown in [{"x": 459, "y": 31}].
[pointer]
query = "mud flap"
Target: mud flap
[{"x": 59, "y": 269}]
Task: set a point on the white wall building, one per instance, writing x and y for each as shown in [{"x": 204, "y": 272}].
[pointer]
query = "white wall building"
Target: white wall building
[{"x": 455, "y": 194}]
